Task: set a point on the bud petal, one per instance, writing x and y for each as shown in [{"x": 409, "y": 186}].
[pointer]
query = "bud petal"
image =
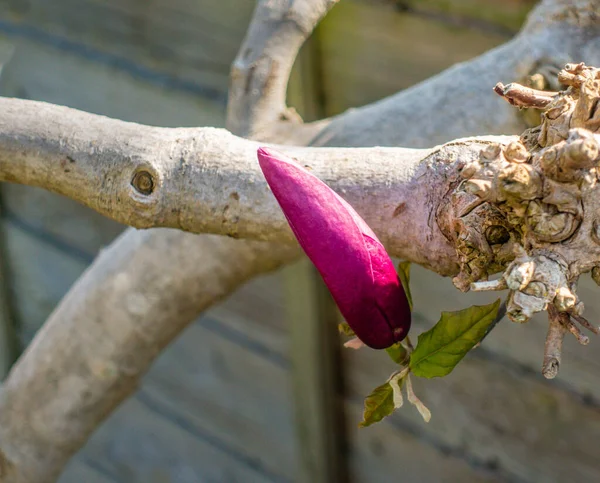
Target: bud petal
[{"x": 352, "y": 261}]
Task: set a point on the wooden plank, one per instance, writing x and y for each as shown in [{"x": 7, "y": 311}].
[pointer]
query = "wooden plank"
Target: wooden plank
[
  {"x": 227, "y": 386},
  {"x": 8, "y": 338},
  {"x": 258, "y": 311},
  {"x": 78, "y": 471},
  {"x": 47, "y": 73},
  {"x": 39, "y": 274},
  {"x": 483, "y": 14},
  {"x": 383, "y": 453},
  {"x": 316, "y": 373},
  {"x": 142, "y": 443},
  {"x": 304, "y": 87},
  {"x": 371, "y": 50},
  {"x": 192, "y": 42},
  {"x": 59, "y": 221}
]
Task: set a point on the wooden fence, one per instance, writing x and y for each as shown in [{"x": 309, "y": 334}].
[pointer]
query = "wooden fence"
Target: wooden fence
[{"x": 249, "y": 393}]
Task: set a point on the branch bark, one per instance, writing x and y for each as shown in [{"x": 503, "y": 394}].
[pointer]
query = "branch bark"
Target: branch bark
[
  {"x": 84, "y": 362},
  {"x": 260, "y": 73},
  {"x": 208, "y": 181}
]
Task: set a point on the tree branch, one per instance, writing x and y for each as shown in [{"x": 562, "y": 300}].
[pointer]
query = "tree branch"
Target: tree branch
[
  {"x": 457, "y": 102},
  {"x": 208, "y": 181},
  {"x": 260, "y": 72},
  {"x": 83, "y": 362}
]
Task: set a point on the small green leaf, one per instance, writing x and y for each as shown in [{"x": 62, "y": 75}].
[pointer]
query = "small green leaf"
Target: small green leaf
[
  {"x": 378, "y": 405},
  {"x": 404, "y": 274},
  {"x": 345, "y": 329},
  {"x": 397, "y": 353},
  {"x": 447, "y": 342}
]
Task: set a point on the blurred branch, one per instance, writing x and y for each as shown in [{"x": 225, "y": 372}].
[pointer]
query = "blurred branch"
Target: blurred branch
[
  {"x": 92, "y": 351},
  {"x": 261, "y": 71}
]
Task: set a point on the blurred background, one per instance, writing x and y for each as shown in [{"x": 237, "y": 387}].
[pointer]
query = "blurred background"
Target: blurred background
[{"x": 257, "y": 390}]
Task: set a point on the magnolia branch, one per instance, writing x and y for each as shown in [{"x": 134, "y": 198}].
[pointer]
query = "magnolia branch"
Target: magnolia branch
[
  {"x": 208, "y": 181},
  {"x": 82, "y": 363},
  {"x": 260, "y": 73}
]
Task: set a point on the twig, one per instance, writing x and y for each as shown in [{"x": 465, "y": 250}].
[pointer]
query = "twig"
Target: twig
[
  {"x": 489, "y": 285},
  {"x": 521, "y": 96},
  {"x": 585, "y": 323},
  {"x": 554, "y": 341},
  {"x": 576, "y": 331}
]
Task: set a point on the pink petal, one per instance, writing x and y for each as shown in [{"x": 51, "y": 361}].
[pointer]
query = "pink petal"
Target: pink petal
[
  {"x": 352, "y": 261},
  {"x": 354, "y": 343}
]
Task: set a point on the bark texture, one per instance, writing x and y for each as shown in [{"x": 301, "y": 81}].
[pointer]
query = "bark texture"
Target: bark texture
[{"x": 208, "y": 181}]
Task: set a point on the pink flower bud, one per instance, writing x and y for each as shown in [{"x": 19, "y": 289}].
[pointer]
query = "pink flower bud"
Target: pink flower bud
[{"x": 352, "y": 261}]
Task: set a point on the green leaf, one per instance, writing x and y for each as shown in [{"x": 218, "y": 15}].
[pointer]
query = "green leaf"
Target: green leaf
[
  {"x": 345, "y": 329},
  {"x": 447, "y": 342},
  {"x": 378, "y": 405},
  {"x": 397, "y": 353},
  {"x": 404, "y": 274}
]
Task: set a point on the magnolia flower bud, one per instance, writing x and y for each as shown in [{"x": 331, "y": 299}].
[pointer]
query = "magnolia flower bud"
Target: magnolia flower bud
[{"x": 352, "y": 261}]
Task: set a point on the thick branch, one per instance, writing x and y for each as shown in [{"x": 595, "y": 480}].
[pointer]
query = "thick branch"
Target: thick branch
[
  {"x": 260, "y": 73},
  {"x": 83, "y": 362},
  {"x": 458, "y": 102},
  {"x": 198, "y": 180},
  {"x": 208, "y": 181}
]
